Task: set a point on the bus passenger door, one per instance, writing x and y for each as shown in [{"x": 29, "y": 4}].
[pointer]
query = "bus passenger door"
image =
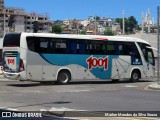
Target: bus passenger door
[{"x": 149, "y": 63}]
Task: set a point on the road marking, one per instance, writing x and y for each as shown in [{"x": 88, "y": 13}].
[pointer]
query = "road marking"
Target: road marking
[
  {"x": 10, "y": 109},
  {"x": 130, "y": 86},
  {"x": 73, "y": 91},
  {"x": 3, "y": 107}
]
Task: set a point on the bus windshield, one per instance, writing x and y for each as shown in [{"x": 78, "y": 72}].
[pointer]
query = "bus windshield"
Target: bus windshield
[{"x": 148, "y": 53}]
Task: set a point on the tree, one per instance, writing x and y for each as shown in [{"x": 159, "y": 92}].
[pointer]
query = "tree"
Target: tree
[
  {"x": 109, "y": 32},
  {"x": 97, "y": 18},
  {"x": 57, "y": 29},
  {"x": 83, "y": 32},
  {"x": 132, "y": 23},
  {"x": 35, "y": 26},
  {"x": 146, "y": 29}
]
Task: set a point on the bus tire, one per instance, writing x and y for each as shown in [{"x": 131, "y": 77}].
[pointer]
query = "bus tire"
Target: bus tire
[
  {"x": 64, "y": 77},
  {"x": 135, "y": 76}
]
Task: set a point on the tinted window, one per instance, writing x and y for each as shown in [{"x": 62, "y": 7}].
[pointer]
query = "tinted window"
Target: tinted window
[
  {"x": 112, "y": 48},
  {"x": 60, "y": 46},
  {"x": 47, "y": 45},
  {"x": 81, "y": 46},
  {"x": 12, "y": 40},
  {"x": 38, "y": 44},
  {"x": 128, "y": 48},
  {"x": 96, "y": 47}
]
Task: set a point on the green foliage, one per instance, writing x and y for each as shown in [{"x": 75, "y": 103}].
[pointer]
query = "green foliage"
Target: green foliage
[
  {"x": 57, "y": 29},
  {"x": 130, "y": 24},
  {"x": 138, "y": 28},
  {"x": 97, "y": 17},
  {"x": 146, "y": 29},
  {"x": 109, "y": 32},
  {"x": 83, "y": 32}
]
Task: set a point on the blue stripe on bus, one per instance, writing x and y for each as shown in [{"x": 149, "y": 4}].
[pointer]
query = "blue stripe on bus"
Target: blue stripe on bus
[{"x": 65, "y": 59}]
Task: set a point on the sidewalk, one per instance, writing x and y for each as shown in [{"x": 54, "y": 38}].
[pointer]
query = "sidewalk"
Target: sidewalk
[
  {"x": 2, "y": 79},
  {"x": 154, "y": 86}
]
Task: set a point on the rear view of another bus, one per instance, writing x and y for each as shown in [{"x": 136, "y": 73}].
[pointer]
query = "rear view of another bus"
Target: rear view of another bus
[{"x": 12, "y": 64}]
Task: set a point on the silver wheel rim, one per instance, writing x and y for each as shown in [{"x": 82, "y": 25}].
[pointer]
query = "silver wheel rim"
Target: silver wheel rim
[
  {"x": 63, "y": 77},
  {"x": 135, "y": 76}
]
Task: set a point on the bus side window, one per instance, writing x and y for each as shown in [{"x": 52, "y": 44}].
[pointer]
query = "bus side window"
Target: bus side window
[
  {"x": 31, "y": 43},
  {"x": 61, "y": 47},
  {"x": 73, "y": 47},
  {"x": 111, "y": 48},
  {"x": 44, "y": 45},
  {"x": 125, "y": 48},
  {"x": 89, "y": 49},
  {"x": 82, "y": 47},
  {"x": 51, "y": 46},
  {"x": 134, "y": 51}
]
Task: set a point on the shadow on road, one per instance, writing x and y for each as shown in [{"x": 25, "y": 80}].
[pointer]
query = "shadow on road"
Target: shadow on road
[
  {"x": 107, "y": 82},
  {"x": 80, "y": 82}
]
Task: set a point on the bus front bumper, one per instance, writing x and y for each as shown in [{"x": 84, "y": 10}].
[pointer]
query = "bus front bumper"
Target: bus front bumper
[{"x": 12, "y": 76}]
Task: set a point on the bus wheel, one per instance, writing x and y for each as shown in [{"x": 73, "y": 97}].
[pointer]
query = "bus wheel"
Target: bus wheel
[
  {"x": 135, "y": 76},
  {"x": 63, "y": 77}
]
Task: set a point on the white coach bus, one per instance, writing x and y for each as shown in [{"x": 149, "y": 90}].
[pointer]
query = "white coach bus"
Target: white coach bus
[{"x": 52, "y": 57}]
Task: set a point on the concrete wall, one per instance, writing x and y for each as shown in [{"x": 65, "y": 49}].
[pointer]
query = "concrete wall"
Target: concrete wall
[{"x": 151, "y": 38}]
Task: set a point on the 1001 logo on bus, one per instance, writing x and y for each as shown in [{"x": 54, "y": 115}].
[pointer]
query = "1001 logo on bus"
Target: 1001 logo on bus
[
  {"x": 94, "y": 62},
  {"x": 11, "y": 61}
]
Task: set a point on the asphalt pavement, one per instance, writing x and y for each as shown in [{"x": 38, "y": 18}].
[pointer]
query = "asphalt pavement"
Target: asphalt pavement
[{"x": 153, "y": 86}]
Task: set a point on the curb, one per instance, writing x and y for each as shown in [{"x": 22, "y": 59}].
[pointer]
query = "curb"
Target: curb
[
  {"x": 2, "y": 79},
  {"x": 154, "y": 86}
]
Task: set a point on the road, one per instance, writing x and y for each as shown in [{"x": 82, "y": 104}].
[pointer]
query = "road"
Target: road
[{"x": 87, "y": 96}]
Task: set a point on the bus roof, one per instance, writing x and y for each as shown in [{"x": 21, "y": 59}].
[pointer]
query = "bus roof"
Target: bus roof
[{"x": 89, "y": 37}]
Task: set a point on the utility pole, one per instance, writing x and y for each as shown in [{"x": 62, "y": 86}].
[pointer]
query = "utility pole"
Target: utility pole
[
  {"x": 4, "y": 21},
  {"x": 158, "y": 53},
  {"x": 148, "y": 19},
  {"x": 95, "y": 25},
  {"x": 123, "y": 22},
  {"x": 142, "y": 22},
  {"x": 152, "y": 21},
  {"x": 77, "y": 26}
]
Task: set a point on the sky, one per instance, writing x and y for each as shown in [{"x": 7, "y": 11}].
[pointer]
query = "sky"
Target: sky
[{"x": 82, "y": 9}]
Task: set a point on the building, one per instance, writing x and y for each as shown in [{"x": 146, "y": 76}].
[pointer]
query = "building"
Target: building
[
  {"x": 44, "y": 23},
  {"x": 22, "y": 22}
]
